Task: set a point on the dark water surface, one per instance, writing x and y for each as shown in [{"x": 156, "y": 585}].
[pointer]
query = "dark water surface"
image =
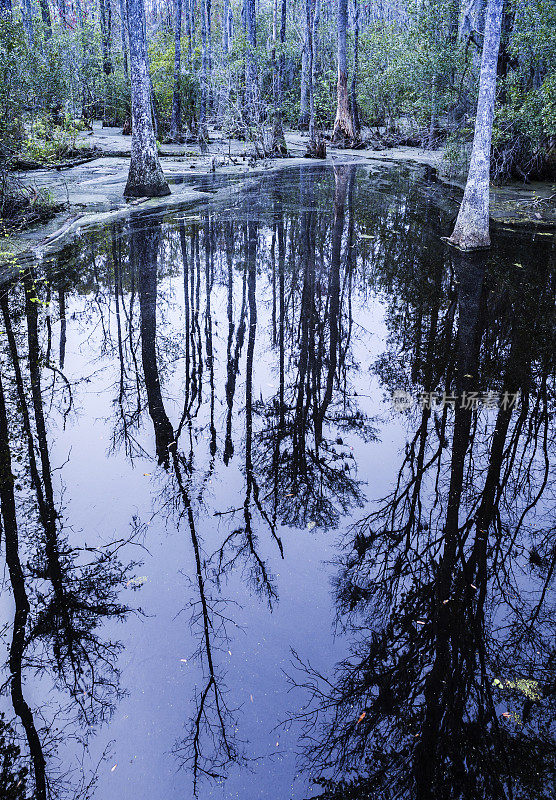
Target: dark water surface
[{"x": 246, "y": 549}]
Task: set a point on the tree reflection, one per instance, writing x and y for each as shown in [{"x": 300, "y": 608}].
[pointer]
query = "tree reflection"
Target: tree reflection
[
  {"x": 232, "y": 343},
  {"x": 302, "y": 462},
  {"x": 211, "y": 744},
  {"x": 61, "y": 595},
  {"x": 448, "y": 690}
]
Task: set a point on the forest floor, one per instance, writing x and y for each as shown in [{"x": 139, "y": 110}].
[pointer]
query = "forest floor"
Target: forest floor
[{"x": 92, "y": 192}]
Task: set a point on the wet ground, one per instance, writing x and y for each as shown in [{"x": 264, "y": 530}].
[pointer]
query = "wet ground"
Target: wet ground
[
  {"x": 91, "y": 193},
  {"x": 277, "y": 502}
]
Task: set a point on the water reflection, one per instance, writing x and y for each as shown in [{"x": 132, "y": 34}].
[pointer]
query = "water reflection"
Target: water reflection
[
  {"x": 228, "y": 352},
  {"x": 448, "y": 691}
]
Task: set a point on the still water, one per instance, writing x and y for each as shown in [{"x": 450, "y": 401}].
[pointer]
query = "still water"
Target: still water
[{"x": 277, "y": 507}]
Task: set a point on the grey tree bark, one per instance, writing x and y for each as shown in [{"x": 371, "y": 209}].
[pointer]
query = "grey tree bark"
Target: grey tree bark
[
  {"x": 343, "y": 124},
  {"x": 226, "y": 38},
  {"x": 355, "y": 74},
  {"x": 106, "y": 42},
  {"x": 278, "y": 145},
  {"x": 316, "y": 24},
  {"x": 227, "y": 42},
  {"x": 304, "y": 99},
  {"x": 175, "y": 128},
  {"x": 189, "y": 28},
  {"x": 125, "y": 36},
  {"x": 310, "y": 12},
  {"x": 471, "y": 231},
  {"x": 145, "y": 178},
  {"x": 251, "y": 87},
  {"x": 471, "y": 20},
  {"x": 205, "y": 63}
]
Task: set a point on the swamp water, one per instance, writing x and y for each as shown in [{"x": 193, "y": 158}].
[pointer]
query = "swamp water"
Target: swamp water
[{"x": 277, "y": 503}]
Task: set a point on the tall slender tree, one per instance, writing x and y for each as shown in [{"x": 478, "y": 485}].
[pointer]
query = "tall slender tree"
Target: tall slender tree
[
  {"x": 175, "y": 130},
  {"x": 344, "y": 130},
  {"x": 205, "y": 66},
  {"x": 106, "y": 42},
  {"x": 471, "y": 231},
  {"x": 251, "y": 85},
  {"x": 355, "y": 73},
  {"x": 46, "y": 19},
  {"x": 303, "y": 121},
  {"x": 278, "y": 139},
  {"x": 124, "y": 36},
  {"x": 145, "y": 178}
]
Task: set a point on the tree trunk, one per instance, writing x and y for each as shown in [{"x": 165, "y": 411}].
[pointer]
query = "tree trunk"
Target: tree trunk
[
  {"x": 225, "y": 28},
  {"x": 227, "y": 41},
  {"x": 471, "y": 19},
  {"x": 432, "y": 126},
  {"x": 310, "y": 11},
  {"x": 304, "y": 101},
  {"x": 278, "y": 146},
  {"x": 189, "y": 29},
  {"x": 203, "y": 132},
  {"x": 175, "y": 130},
  {"x": 145, "y": 178},
  {"x": 252, "y": 94},
  {"x": 46, "y": 20},
  {"x": 471, "y": 231},
  {"x": 315, "y": 42},
  {"x": 124, "y": 31},
  {"x": 27, "y": 13},
  {"x": 343, "y": 124},
  {"x": 106, "y": 36},
  {"x": 354, "y": 106}
]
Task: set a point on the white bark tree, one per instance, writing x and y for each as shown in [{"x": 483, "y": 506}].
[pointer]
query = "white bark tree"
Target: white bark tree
[
  {"x": 344, "y": 129},
  {"x": 145, "y": 178},
  {"x": 471, "y": 231}
]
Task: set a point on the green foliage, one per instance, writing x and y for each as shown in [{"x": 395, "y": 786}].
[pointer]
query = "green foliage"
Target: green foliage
[
  {"x": 525, "y": 122},
  {"x": 161, "y": 58},
  {"x": 416, "y": 77},
  {"x": 14, "y": 85},
  {"x": 47, "y": 142},
  {"x": 387, "y": 83}
]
